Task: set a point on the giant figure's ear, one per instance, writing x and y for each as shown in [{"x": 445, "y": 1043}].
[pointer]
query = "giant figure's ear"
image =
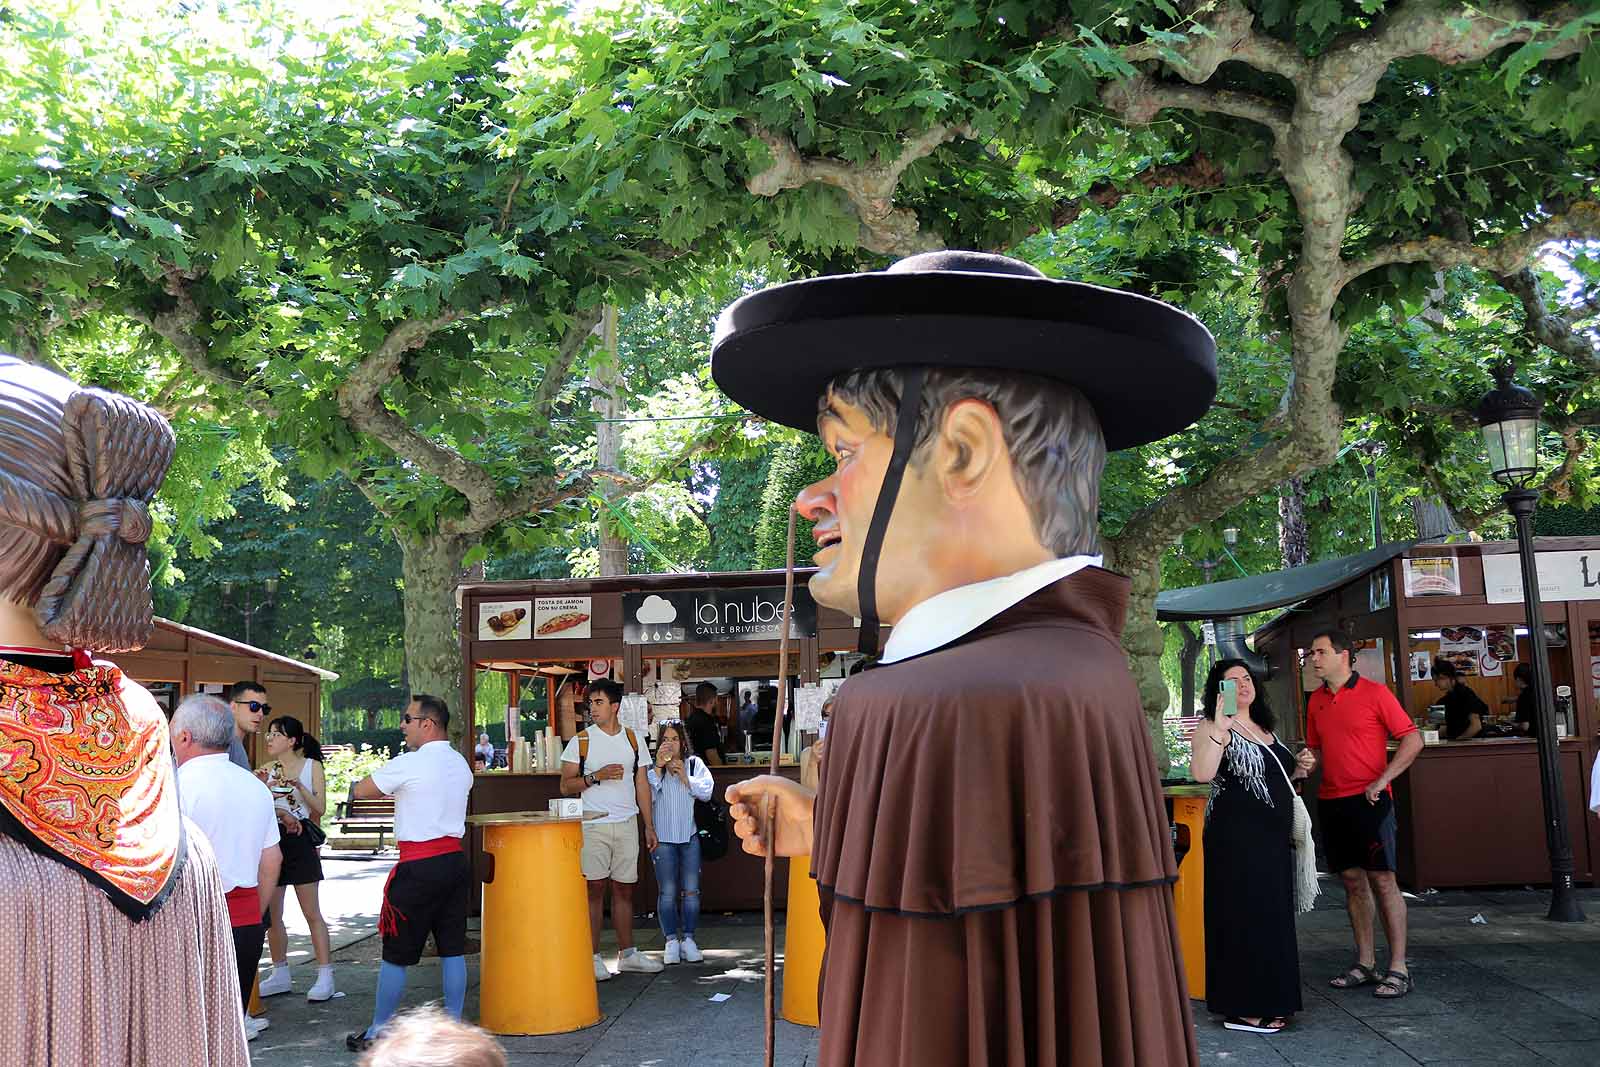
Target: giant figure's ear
[{"x": 970, "y": 449}]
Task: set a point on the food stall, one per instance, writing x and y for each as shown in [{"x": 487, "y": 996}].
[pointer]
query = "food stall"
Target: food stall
[
  {"x": 179, "y": 660},
  {"x": 1470, "y": 812},
  {"x": 658, "y": 635}
]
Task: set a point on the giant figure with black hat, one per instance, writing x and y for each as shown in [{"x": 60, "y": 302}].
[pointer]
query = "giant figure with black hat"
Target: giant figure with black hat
[{"x": 988, "y": 834}]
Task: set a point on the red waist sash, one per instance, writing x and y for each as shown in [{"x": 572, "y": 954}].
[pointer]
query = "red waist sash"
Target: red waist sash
[
  {"x": 421, "y": 850},
  {"x": 244, "y": 905}
]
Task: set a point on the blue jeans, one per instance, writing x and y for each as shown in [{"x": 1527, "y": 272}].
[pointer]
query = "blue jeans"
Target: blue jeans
[{"x": 678, "y": 874}]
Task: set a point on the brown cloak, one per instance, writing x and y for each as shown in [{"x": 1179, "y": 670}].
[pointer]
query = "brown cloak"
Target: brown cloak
[{"x": 992, "y": 853}]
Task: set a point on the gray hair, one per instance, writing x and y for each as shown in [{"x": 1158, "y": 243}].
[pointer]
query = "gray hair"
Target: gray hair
[
  {"x": 1057, "y": 448},
  {"x": 208, "y": 720}
]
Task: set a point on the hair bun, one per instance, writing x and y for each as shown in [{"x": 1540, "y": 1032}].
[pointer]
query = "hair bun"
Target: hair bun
[{"x": 126, "y": 517}]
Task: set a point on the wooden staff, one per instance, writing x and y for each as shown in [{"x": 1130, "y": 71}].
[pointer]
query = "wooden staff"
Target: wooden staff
[{"x": 769, "y": 817}]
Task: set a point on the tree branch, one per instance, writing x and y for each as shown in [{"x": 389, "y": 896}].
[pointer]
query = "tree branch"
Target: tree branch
[
  {"x": 1552, "y": 329},
  {"x": 1140, "y": 98},
  {"x": 870, "y": 187},
  {"x": 1230, "y": 35},
  {"x": 179, "y": 327},
  {"x": 555, "y": 375},
  {"x": 1581, "y": 221}
]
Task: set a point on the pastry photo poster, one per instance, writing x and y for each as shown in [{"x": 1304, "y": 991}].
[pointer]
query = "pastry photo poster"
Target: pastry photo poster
[
  {"x": 505, "y": 620},
  {"x": 561, "y": 616}
]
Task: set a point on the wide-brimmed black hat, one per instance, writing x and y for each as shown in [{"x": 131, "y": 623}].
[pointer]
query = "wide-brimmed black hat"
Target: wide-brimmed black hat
[{"x": 1147, "y": 368}]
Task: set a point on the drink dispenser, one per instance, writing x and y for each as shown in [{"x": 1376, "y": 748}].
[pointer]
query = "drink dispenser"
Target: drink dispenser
[{"x": 1563, "y": 711}]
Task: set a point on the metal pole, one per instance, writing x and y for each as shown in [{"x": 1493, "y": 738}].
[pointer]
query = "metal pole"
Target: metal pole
[{"x": 1564, "y": 906}]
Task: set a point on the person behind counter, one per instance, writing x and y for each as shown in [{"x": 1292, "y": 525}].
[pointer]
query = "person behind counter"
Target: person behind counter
[
  {"x": 1527, "y": 721},
  {"x": 1464, "y": 710},
  {"x": 702, "y": 724}
]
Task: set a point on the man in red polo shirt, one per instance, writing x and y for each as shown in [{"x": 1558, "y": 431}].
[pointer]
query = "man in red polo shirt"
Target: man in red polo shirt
[{"x": 1349, "y": 722}]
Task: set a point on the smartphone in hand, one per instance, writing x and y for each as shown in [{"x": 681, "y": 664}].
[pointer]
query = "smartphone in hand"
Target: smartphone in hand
[{"x": 1228, "y": 691}]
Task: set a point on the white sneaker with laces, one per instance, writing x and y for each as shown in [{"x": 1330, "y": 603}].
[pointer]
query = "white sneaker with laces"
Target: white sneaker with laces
[
  {"x": 323, "y": 988},
  {"x": 276, "y": 981},
  {"x": 638, "y": 963},
  {"x": 601, "y": 971},
  {"x": 691, "y": 951},
  {"x": 253, "y": 1027},
  {"x": 670, "y": 956}
]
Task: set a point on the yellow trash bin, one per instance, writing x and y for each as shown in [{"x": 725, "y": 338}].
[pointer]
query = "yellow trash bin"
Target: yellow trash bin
[
  {"x": 1189, "y": 895},
  {"x": 803, "y": 940},
  {"x": 537, "y": 971}
]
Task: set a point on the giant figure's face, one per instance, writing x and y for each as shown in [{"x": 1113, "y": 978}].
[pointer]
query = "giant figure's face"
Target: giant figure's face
[{"x": 842, "y": 504}]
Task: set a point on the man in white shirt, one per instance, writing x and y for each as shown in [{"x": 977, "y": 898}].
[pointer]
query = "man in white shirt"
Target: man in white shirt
[
  {"x": 430, "y": 889},
  {"x": 233, "y": 808},
  {"x": 604, "y": 764}
]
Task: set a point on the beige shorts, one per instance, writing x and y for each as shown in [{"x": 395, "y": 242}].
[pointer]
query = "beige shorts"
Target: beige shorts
[{"x": 610, "y": 850}]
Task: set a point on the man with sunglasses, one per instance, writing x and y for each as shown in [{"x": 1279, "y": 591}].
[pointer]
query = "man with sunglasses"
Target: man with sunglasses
[
  {"x": 248, "y": 702},
  {"x": 430, "y": 889}
]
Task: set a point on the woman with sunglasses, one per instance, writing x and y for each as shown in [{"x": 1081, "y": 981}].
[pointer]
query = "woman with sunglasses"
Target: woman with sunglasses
[
  {"x": 294, "y": 774},
  {"x": 678, "y": 779}
]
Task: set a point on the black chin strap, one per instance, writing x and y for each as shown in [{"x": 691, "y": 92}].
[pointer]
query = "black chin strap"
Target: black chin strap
[{"x": 905, "y": 435}]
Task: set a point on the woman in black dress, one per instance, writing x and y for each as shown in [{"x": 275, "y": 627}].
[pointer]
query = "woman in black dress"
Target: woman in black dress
[{"x": 1252, "y": 962}]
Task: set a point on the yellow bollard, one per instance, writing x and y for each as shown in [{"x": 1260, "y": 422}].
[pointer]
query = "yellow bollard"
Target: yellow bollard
[
  {"x": 537, "y": 972},
  {"x": 1189, "y": 895},
  {"x": 803, "y": 941}
]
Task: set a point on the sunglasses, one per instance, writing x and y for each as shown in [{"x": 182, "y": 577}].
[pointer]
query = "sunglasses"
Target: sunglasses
[
  {"x": 409, "y": 719},
  {"x": 255, "y": 706}
]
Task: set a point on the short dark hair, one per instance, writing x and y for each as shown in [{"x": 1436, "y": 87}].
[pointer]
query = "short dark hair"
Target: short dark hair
[
  {"x": 703, "y": 692},
  {"x": 433, "y": 708},
  {"x": 612, "y": 690},
  {"x": 1523, "y": 673},
  {"x": 1341, "y": 642},
  {"x": 239, "y": 689},
  {"x": 1443, "y": 668}
]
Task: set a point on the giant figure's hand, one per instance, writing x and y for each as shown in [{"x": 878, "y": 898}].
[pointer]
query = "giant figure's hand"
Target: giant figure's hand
[{"x": 792, "y": 827}]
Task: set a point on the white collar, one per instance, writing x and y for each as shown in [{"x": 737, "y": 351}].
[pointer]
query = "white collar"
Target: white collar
[{"x": 954, "y": 613}]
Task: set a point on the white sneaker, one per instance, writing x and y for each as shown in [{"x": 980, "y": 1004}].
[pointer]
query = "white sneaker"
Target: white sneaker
[
  {"x": 601, "y": 971},
  {"x": 639, "y": 963},
  {"x": 253, "y": 1027},
  {"x": 671, "y": 955},
  {"x": 691, "y": 951},
  {"x": 276, "y": 981},
  {"x": 323, "y": 988}
]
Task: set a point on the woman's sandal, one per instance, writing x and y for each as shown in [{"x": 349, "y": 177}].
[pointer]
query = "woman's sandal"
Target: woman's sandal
[
  {"x": 1359, "y": 974},
  {"x": 1393, "y": 985},
  {"x": 1265, "y": 1026}
]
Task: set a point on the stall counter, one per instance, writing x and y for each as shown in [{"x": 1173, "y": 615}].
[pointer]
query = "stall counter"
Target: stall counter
[
  {"x": 732, "y": 883},
  {"x": 1471, "y": 814}
]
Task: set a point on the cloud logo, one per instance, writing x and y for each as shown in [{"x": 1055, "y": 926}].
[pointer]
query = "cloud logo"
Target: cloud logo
[{"x": 656, "y": 611}]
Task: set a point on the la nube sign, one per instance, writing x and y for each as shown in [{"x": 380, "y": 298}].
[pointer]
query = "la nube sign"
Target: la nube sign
[
  {"x": 703, "y": 616},
  {"x": 1562, "y": 576}
]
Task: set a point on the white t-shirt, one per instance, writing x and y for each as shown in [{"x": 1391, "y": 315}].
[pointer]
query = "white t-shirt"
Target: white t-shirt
[
  {"x": 430, "y": 788},
  {"x": 615, "y": 799},
  {"x": 1594, "y": 788},
  {"x": 233, "y": 808}
]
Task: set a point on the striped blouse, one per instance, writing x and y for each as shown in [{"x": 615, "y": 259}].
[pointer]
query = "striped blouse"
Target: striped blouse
[{"x": 674, "y": 802}]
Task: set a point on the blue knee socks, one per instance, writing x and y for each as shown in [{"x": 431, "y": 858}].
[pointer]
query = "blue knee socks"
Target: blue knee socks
[
  {"x": 455, "y": 984},
  {"x": 391, "y": 987}
]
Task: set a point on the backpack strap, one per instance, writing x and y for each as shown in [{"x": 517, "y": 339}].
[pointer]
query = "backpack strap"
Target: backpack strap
[{"x": 583, "y": 749}]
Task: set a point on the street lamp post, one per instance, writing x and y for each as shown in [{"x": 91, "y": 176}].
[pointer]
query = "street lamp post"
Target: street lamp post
[
  {"x": 250, "y": 607},
  {"x": 1509, "y": 417}
]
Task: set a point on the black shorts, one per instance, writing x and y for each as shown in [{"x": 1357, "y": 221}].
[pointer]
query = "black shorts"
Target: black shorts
[
  {"x": 1358, "y": 834},
  {"x": 302, "y": 860},
  {"x": 425, "y": 897}
]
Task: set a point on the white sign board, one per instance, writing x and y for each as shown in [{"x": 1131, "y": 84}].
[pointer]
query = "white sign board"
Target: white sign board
[
  {"x": 504, "y": 620},
  {"x": 1562, "y": 576},
  {"x": 561, "y": 617}
]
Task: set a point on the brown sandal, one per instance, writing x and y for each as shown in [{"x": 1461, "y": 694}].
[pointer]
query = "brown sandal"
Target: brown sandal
[
  {"x": 1393, "y": 985},
  {"x": 1359, "y": 974}
]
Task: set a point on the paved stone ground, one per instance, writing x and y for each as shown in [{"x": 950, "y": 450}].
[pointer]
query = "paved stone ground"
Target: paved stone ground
[{"x": 1515, "y": 990}]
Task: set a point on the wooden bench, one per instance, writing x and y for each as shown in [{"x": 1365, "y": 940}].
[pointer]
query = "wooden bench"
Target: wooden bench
[{"x": 366, "y": 816}]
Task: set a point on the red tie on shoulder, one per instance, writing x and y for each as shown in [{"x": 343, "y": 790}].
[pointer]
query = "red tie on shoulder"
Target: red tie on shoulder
[{"x": 80, "y": 657}]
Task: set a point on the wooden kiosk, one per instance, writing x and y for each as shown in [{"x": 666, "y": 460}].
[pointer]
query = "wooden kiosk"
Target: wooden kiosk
[
  {"x": 657, "y": 632},
  {"x": 1470, "y": 812}
]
